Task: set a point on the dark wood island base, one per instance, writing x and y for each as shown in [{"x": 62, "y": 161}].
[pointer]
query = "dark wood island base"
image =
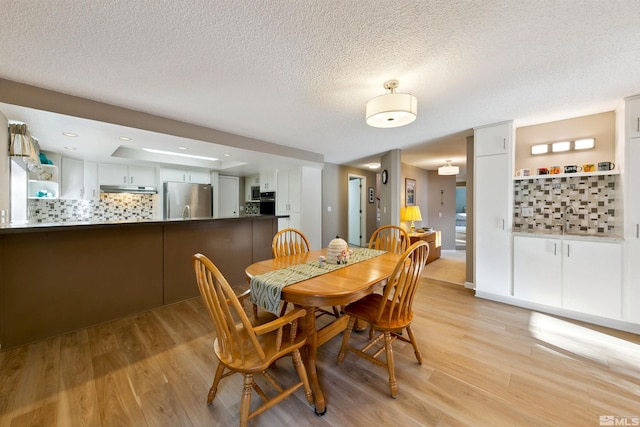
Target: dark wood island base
[{"x": 60, "y": 278}]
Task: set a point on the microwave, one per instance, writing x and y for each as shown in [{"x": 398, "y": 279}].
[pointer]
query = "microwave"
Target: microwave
[{"x": 255, "y": 193}]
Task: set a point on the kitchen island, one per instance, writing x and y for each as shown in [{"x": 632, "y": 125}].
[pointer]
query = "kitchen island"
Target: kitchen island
[{"x": 57, "y": 278}]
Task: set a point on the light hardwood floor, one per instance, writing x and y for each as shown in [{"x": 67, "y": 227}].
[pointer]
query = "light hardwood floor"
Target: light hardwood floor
[{"x": 485, "y": 364}]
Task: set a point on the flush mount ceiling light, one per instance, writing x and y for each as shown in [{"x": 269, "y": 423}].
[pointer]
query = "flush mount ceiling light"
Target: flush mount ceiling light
[
  {"x": 374, "y": 165},
  {"x": 448, "y": 169},
  {"x": 392, "y": 109},
  {"x": 70, "y": 135},
  {"x": 124, "y": 138}
]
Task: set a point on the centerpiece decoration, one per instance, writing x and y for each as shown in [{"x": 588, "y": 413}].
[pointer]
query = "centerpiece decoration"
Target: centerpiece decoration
[{"x": 338, "y": 251}]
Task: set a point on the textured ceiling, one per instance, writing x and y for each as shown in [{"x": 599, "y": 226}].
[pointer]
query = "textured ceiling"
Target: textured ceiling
[{"x": 299, "y": 73}]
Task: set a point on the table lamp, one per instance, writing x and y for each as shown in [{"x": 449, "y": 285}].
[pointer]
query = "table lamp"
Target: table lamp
[{"x": 411, "y": 213}]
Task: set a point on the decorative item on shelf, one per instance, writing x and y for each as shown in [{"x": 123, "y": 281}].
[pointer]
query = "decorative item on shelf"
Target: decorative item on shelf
[
  {"x": 606, "y": 166},
  {"x": 338, "y": 251},
  {"x": 392, "y": 109},
  {"x": 523, "y": 172},
  {"x": 448, "y": 169},
  {"x": 589, "y": 167},
  {"x": 22, "y": 144},
  {"x": 411, "y": 213},
  {"x": 572, "y": 169}
]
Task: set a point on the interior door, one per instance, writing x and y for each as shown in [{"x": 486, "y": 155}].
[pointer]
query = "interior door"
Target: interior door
[
  {"x": 228, "y": 196},
  {"x": 355, "y": 211}
]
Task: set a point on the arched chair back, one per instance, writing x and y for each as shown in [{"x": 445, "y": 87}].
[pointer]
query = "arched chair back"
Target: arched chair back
[
  {"x": 390, "y": 238},
  {"x": 289, "y": 242}
]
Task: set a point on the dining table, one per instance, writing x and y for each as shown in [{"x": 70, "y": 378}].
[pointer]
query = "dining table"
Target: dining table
[{"x": 335, "y": 288}]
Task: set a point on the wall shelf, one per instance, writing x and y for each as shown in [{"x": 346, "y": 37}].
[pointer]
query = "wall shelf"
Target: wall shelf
[{"x": 566, "y": 175}]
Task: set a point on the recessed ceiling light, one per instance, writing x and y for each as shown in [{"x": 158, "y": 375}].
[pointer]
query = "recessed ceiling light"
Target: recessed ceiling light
[
  {"x": 71, "y": 148},
  {"x": 374, "y": 165},
  {"x": 69, "y": 134},
  {"x": 171, "y": 153},
  {"x": 183, "y": 148},
  {"x": 124, "y": 138},
  {"x": 227, "y": 155}
]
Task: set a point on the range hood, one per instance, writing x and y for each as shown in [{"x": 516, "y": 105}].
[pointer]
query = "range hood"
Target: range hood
[{"x": 134, "y": 189}]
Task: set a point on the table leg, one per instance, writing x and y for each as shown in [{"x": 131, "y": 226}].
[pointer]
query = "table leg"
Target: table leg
[{"x": 308, "y": 326}]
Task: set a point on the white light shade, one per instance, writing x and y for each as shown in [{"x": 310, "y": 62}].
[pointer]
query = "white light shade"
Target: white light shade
[
  {"x": 558, "y": 147},
  {"x": 584, "y": 144},
  {"x": 391, "y": 110},
  {"x": 540, "y": 149},
  {"x": 448, "y": 169}
]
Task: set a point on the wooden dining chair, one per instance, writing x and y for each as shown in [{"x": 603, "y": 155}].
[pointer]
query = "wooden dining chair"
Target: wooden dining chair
[
  {"x": 390, "y": 238},
  {"x": 289, "y": 241},
  {"x": 243, "y": 348},
  {"x": 390, "y": 313}
]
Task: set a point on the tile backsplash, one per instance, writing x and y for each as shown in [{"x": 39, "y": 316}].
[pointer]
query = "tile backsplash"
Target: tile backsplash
[
  {"x": 591, "y": 197},
  {"x": 110, "y": 207}
]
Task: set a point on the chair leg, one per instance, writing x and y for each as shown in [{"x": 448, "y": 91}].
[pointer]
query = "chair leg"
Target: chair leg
[
  {"x": 255, "y": 312},
  {"x": 345, "y": 338},
  {"x": 302, "y": 373},
  {"x": 245, "y": 402},
  {"x": 414, "y": 344},
  {"x": 283, "y": 310},
  {"x": 393, "y": 384},
  {"x": 216, "y": 380}
]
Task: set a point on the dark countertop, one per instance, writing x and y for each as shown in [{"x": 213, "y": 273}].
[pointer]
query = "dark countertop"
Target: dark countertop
[
  {"x": 596, "y": 237},
  {"x": 53, "y": 226}
]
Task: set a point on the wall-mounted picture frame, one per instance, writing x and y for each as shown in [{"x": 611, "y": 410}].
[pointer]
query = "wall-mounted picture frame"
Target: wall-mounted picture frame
[
  {"x": 410, "y": 192},
  {"x": 372, "y": 195}
]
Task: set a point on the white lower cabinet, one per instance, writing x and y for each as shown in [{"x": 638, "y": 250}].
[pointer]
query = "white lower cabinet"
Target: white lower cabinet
[
  {"x": 578, "y": 275},
  {"x": 592, "y": 278},
  {"x": 537, "y": 270}
]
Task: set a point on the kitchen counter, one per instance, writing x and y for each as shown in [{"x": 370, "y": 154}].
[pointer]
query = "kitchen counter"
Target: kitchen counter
[
  {"x": 58, "y": 278},
  {"x": 52, "y": 226},
  {"x": 600, "y": 237}
]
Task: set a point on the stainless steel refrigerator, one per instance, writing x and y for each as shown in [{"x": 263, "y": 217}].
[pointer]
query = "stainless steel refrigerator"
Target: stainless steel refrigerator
[{"x": 185, "y": 200}]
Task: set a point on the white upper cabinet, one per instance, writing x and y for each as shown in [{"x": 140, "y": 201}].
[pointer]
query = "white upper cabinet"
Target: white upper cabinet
[
  {"x": 184, "y": 175},
  {"x": 115, "y": 174},
  {"x": 496, "y": 139},
  {"x": 633, "y": 118},
  {"x": 91, "y": 188},
  {"x": 268, "y": 181},
  {"x": 71, "y": 179}
]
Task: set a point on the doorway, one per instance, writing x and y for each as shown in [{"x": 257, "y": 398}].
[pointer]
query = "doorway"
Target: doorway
[
  {"x": 461, "y": 216},
  {"x": 356, "y": 220}
]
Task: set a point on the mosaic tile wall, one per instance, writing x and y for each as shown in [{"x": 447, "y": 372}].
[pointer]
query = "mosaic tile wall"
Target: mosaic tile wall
[
  {"x": 592, "y": 199},
  {"x": 110, "y": 207},
  {"x": 251, "y": 208}
]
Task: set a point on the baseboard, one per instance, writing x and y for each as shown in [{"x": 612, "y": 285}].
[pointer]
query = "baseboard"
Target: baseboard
[
  {"x": 469, "y": 285},
  {"x": 583, "y": 317}
]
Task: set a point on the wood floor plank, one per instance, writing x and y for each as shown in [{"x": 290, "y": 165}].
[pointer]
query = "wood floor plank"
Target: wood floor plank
[
  {"x": 77, "y": 400},
  {"x": 485, "y": 364}
]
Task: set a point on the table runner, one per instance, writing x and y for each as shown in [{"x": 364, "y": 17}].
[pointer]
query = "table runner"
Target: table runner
[{"x": 266, "y": 288}]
